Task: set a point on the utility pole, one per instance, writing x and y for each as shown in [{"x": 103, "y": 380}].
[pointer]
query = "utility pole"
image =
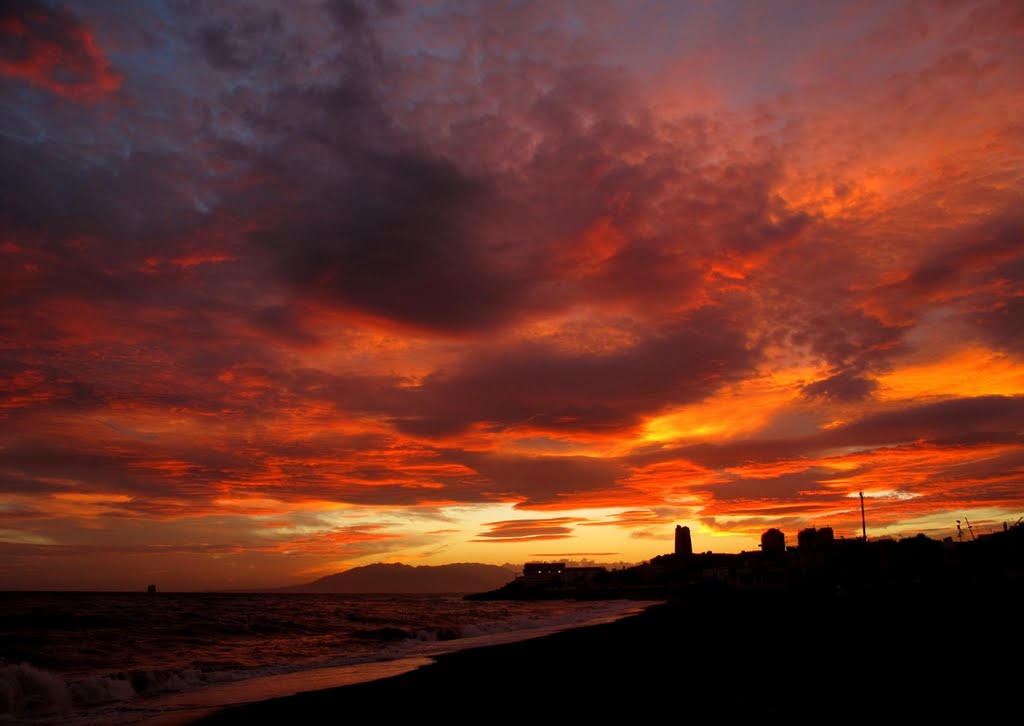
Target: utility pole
[{"x": 863, "y": 522}]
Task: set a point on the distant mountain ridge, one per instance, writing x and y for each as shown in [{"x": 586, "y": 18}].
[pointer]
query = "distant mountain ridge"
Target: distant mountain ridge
[{"x": 461, "y": 577}]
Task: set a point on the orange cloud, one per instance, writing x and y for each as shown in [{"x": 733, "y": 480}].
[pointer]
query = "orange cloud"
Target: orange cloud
[{"x": 526, "y": 530}]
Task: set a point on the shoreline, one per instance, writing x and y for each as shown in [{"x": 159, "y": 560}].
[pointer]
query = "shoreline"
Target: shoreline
[
  {"x": 190, "y": 706},
  {"x": 750, "y": 653}
]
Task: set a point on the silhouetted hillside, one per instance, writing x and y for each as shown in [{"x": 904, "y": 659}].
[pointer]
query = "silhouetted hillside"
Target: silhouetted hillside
[{"x": 399, "y": 578}]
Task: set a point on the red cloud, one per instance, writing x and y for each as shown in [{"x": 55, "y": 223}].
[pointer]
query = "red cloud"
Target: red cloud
[{"x": 52, "y": 49}]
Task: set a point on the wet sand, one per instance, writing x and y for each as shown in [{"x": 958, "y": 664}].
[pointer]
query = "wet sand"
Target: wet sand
[{"x": 906, "y": 653}]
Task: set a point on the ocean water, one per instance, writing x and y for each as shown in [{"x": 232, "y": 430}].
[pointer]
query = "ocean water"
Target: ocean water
[{"x": 167, "y": 658}]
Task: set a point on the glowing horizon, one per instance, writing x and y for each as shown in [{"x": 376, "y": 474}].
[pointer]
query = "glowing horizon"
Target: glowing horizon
[{"x": 293, "y": 289}]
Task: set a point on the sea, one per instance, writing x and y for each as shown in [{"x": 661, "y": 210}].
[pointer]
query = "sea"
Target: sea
[{"x": 166, "y": 659}]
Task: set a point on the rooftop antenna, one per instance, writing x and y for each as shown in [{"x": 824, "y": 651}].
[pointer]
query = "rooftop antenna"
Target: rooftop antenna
[
  {"x": 863, "y": 522},
  {"x": 969, "y": 527}
]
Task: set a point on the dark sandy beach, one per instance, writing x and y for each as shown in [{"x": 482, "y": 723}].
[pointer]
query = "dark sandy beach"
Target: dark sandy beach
[{"x": 899, "y": 653}]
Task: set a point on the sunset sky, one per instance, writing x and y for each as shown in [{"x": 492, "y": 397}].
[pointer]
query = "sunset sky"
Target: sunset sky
[{"x": 290, "y": 288}]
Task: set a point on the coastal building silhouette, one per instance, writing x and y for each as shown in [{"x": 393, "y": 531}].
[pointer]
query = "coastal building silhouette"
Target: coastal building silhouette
[
  {"x": 773, "y": 542},
  {"x": 558, "y": 575},
  {"x": 820, "y": 563},
  {"x": 583, "y": 576},
  {"x": 683, "y": 544},
  {"x": 813, "y": 538},
  {"x": 537, "y": 573}
]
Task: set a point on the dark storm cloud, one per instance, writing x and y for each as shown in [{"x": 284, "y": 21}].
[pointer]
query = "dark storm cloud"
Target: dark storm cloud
[
  {"x": 218, "y": 48},
  {"x": 393, "y": 238},
  {"x": 802, "y": 487},
  {"x": 117, "y": 209},
  {"x": 998, "y": 477},
  {"x": 241, "y": 38},
  {"x": 372, "y": 219},
  {"x": 282, "y": 323},
  {"x": 991, "y": 250},
  {"x": 534, "y": 385},
  {"x": 721, "y": 456},
  {"x": 365, "y": 209},
  {"x": 140, "y": 470},
  {"x": 106, "y": 273},
  {"x": 973, "y": 272},
  {"x": 1002, "y": 325},
  {"x": 999, "y": 266},
  {"x": 355, "y": 14},
  {"x": 540, "y": 479},
  {"x": 994, "y": 477},
  {"x": 983, "y": 415},
  {"x": 845, "y": 386},
  {"x": 847, "y": 339},
  {"x": 49, "y": 387}
]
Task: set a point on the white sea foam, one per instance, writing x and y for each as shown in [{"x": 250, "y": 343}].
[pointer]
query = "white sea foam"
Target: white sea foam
[{"x": 27, "y": 690}]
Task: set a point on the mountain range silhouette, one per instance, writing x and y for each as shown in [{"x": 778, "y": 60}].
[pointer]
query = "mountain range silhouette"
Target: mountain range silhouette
[{"x": 461, "y": 577}]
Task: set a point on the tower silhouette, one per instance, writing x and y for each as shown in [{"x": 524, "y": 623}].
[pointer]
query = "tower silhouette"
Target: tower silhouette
[{"x": 683, "y": 544}]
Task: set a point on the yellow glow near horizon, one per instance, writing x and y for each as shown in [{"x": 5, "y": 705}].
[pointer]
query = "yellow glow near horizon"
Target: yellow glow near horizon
[{"x": 461, "y": 534}]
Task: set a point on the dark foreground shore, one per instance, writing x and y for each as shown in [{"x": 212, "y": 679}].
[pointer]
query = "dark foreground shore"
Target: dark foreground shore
[{"x": 906, "y": 652}]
